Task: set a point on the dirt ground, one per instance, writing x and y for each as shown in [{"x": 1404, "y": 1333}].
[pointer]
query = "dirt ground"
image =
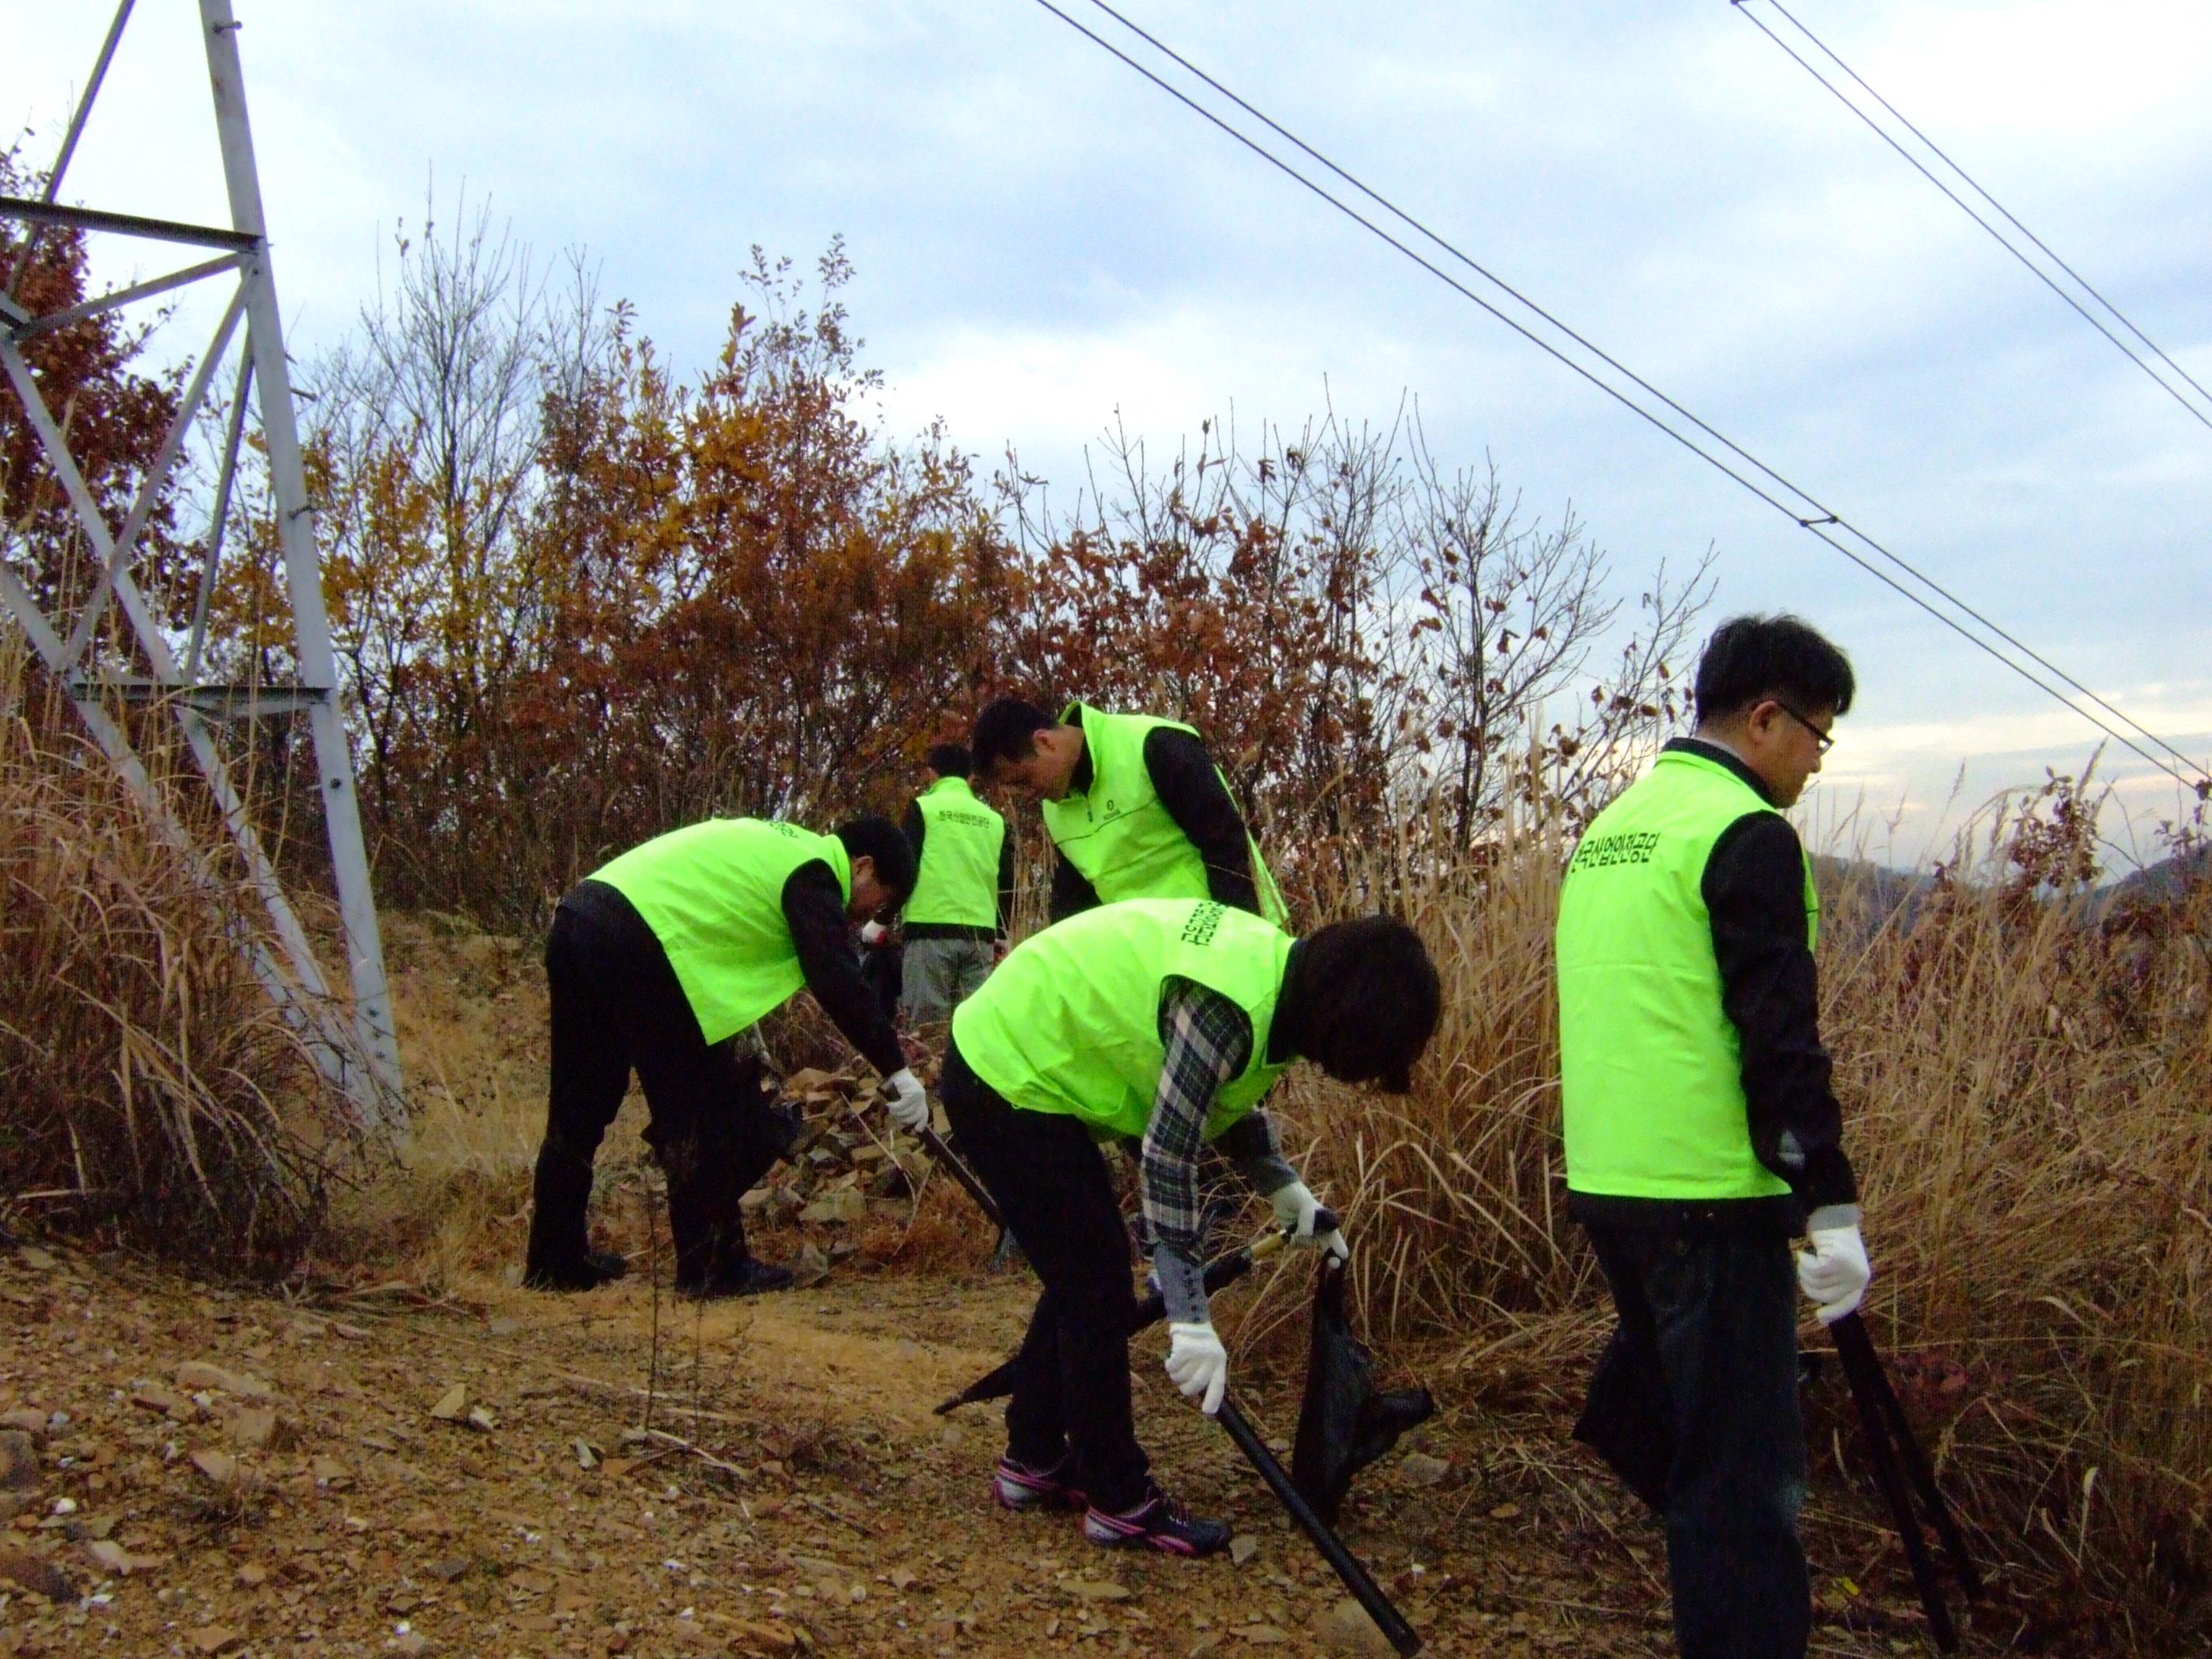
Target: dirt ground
[{"x": 502, "y": 1472}]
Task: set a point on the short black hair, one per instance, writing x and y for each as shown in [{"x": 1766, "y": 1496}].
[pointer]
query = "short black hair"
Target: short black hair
[
  {"x": 951, "y": 759},
  {"x": 1751, "y": 658},
  {"x": 1007, "y": 730},
  {"x": 1371, "y": 1000},
  {"x": 879, "y": 839}
]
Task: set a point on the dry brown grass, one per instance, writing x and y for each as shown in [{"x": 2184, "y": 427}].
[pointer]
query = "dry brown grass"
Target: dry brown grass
[
  {"x": 2026, "y": 1084},
  {"x": 153, "y": 1096}
]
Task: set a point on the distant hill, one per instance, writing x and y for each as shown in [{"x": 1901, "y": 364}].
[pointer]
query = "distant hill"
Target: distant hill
[{"x": 2155, "y": 884}]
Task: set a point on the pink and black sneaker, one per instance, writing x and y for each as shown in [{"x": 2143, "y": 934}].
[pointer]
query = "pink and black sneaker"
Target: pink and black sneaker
[
  {"x": 1019, "y": 1486},
  {"x": 1160, "y": 1522}
]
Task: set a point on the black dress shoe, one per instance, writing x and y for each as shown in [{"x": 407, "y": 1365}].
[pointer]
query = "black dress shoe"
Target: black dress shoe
[
  {"x": 585, "y": 1272},
  {"x": 749, "y": 1278}
]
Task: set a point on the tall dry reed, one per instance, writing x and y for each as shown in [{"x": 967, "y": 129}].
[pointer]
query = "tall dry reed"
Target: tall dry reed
[
  {"x": 152, "y": 1095},
  {"x": 2026, "y": 1072}
]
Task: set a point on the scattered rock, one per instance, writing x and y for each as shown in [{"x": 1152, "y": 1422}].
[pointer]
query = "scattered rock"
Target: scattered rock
[
  {"x": 1422, "y": 1469},
  {"x": 329, "y": 1472},
  {"x": 1098, "y": 1589},
  {"x": 1346, "y": 1629},
  {"x": 1242, "y": 1547},
  {"x": 1505, "y": 1512},
  {"x": 252, "y": 1575},
  {"x": 153, "y": 1397},
  {"x": 195, "y": 1376},
  {"x": 258, "y": 1428},
  {"x": 848, "y": 1205},
  {"x": 587, "y": 1455},
  {"x": 28, "y": 1419},
  {"x": 36, "y": 1573},
  {"x": 906, "y": 1579},
  {"x": 480, "y": 1419},
  {"x": 448, "y": 1572},
  {"x": 215, "y": 1638},
  {"x": 810, "y": 1267},
  {"x": 219, "y": 1467},
  {"x": 430, "y": 1524},
  {"x": 771, "y": 1639},
  {"x": 110, "y": 1557},
  {"x": 452, "y": 1405},
  {"x": 410, "y": 1643},
  {"x": 18, "y": 1460}
]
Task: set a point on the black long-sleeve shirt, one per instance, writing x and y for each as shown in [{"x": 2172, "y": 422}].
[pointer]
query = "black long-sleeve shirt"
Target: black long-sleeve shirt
[
  {"x": 814, "y": 909},
  {"x": 1754, "y": 887},
  {"x": 916, "y": 828},
  {"x": 1190, "y": 788}
]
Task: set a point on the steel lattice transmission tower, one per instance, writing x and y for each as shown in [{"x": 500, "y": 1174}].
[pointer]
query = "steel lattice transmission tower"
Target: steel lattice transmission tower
[{"x": 352, "y": 1034}]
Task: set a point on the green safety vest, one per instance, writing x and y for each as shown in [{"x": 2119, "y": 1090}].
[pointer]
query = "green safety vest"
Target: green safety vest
[
  {"x": 1118, "y": 835},
  {"x": 1070, "y": 1021},
  {"x": 1650, "y": 1065},
  {"x": 712, "y": 893},
  {"x": 961, "y": 837}
]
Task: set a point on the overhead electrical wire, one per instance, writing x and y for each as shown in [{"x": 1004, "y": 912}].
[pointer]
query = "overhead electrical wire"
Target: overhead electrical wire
[
  {"x": 2200, "y": 407},
  {"x": 1819, "y": 520}
]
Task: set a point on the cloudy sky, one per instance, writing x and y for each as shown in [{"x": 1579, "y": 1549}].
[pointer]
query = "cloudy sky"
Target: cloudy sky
[{"x": 1043, "y": 239}]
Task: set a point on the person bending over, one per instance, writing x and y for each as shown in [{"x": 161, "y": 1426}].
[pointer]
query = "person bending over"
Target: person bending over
[
  {"x": 655, "y": 963},
  {"x": 1135, "y": 806},
  {"x": 1163, "y": 1020}
]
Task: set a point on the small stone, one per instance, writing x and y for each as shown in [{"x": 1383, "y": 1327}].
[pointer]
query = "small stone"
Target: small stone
[
  {"x": 196, "y": 1376},
  {"x": 110, "y": 1557},
  {"x": 218, "y": 1466},
  {"x": 452, "y": 1403},
  {"x": 36, "y": 1573},
  {"x": 153, "y": 1397},
  {"x": 448, "y": 1572},
  {"x": 258, "y": 1428},
  {"x": 848, "y": 1204},
  {"x": 905, "y": 1578},
  {"x": 329, "y": 1472},
  {"x": 1098, "y": 1589},
  {"x": 587, "y": 1455},
  {"x": 1422, "y": 1469},
  {"x": 1346, "y": 1629},
  {"x": 215, "y": 1638},
  {"x": 480, "y": 1419},
  {"x": 810, "y": 1267},
  {"x": 1242, "y": 1547},
  {"x": 1505, "y": 1512},
  {"x": 410, "y": 1643},
  {"x": 252, "y": 1575},
  {"x": 29, "y": 1419},
  {"x": 18, "y": 1460}
]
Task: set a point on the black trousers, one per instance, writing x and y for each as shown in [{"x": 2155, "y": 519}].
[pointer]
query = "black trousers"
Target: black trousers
[
  {"x": 1695, "y": 1404},
  {"x": 618, "y": 1007},
  {"x": 1072, "y": 1376}
]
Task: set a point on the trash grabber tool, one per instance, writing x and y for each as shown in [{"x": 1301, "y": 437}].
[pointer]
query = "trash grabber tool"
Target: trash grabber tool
[
  {"x": 1886, "y": 1433},
  {"x": 949, "y": 1161},
  {"x": 1356, "y": 1579},
  {"x": 1222, "y": 1272}
]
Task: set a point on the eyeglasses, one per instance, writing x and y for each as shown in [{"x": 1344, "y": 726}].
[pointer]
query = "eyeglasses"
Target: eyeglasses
[{"x": 1822, "y": 741}]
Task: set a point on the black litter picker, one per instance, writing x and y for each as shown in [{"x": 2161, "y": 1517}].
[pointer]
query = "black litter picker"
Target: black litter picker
[{"x": 1346, "y": 1421}]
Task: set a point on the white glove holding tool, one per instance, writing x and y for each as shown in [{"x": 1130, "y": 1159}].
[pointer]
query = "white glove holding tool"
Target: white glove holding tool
[
  {"x": 1296, "y": 1209},
  {"x": 1835, "y": 1272},
  {"x": 874, "y": 933},
  {"x": 1198, "y": 1364},
  {"x": 904, "y": 1100}
]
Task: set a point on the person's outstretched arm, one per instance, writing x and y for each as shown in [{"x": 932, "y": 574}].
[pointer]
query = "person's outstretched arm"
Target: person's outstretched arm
[{"x": 814, "y": 909}]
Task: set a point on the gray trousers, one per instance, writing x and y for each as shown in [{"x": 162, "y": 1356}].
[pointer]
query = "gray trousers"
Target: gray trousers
[{"x": 939, "y": 975}]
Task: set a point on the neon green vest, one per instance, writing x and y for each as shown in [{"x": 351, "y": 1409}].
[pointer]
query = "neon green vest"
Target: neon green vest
[
  {"x": 1070, "y": 1021},
  {"x": 958, "y": 881},
  {"x": 1651, "y": 1067},
  {"x": 712, "y": 893},
  {"x": 1117, "y": 834}
]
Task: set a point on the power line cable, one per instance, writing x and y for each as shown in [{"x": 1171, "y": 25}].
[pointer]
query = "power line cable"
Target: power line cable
[
  {"x": 2001, "y": 239},
  {"x": 1817, "y": 521}
]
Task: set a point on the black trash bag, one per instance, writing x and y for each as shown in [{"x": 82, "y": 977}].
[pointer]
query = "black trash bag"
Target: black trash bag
[{"x": 1346, "y": 1422}]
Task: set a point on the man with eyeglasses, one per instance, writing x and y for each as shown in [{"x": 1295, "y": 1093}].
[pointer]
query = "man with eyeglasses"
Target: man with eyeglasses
[{"x": 1702, "y": 1133}]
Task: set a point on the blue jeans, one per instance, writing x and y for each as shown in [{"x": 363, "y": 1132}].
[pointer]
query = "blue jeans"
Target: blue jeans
[{"x": 1695, "y": 1403}]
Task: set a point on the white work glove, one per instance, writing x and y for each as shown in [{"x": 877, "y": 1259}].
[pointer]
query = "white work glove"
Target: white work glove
[
  {"x": 872, "y": 932},
  {"x": 1295, "y": 1208},
  {"x": 1198, "y": 1364},
  {"x": 1835, "y": 1272},
  {"x": 904, "y": 1100}
]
